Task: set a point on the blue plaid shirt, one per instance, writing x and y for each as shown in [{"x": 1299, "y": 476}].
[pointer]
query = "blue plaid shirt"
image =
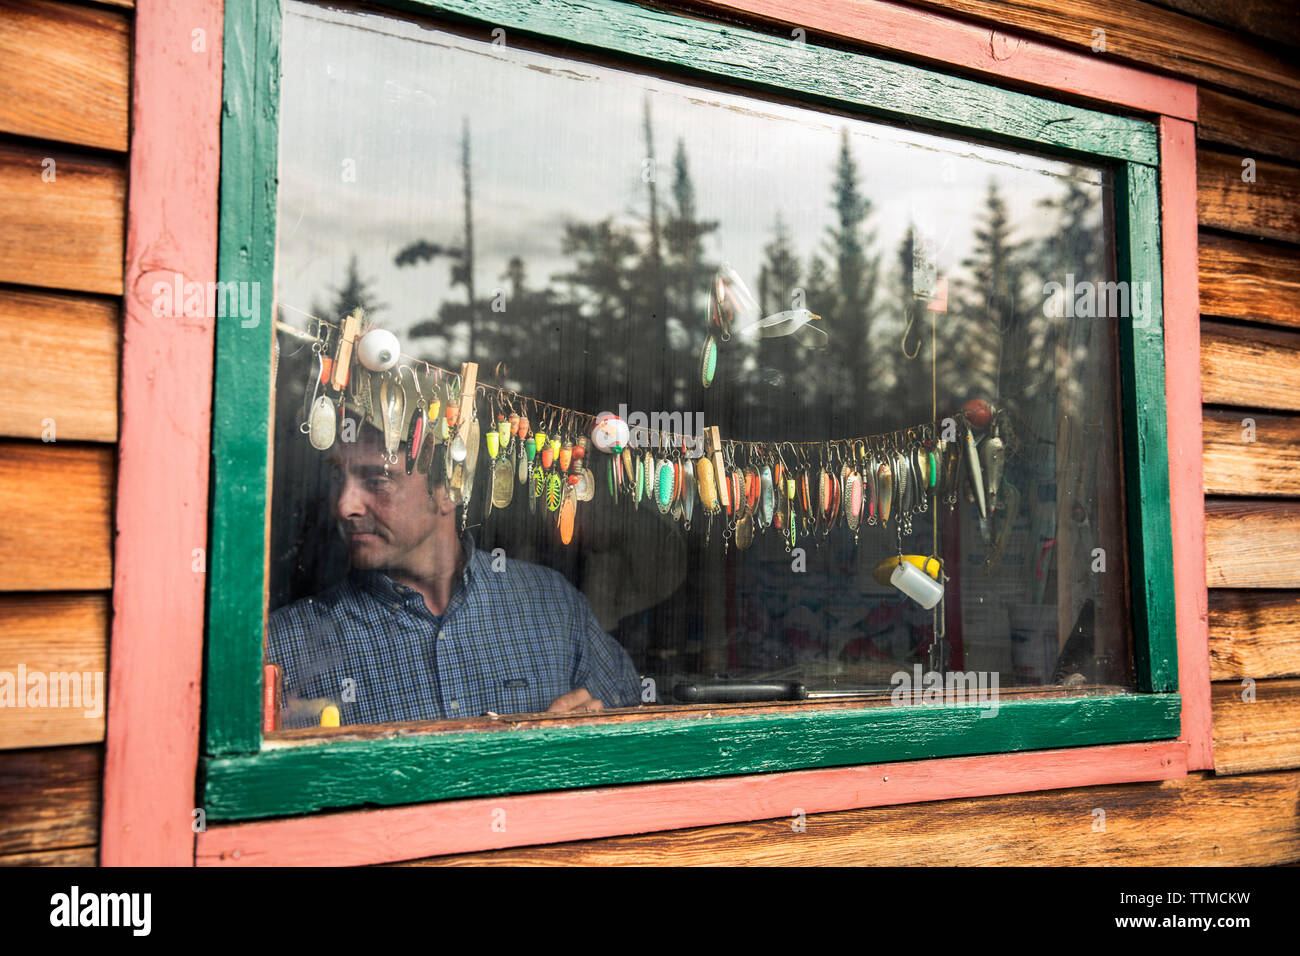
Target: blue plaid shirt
[{"x": 510, "y": 641}]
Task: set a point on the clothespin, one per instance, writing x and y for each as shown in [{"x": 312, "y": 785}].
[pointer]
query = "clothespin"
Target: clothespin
[{"x": 713, "y": 447}]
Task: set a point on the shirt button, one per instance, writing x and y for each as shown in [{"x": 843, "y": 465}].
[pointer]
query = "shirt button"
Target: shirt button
[{"x": 455, "y": 705}]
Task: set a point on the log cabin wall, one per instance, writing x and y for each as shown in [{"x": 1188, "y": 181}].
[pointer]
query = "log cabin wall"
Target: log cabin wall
[
  {"x": 64, "y": 82},
  {"x": 64, "y": 95}
]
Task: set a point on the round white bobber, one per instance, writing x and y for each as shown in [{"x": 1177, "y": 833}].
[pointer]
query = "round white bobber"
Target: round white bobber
[{"x": 379, "y": 350}]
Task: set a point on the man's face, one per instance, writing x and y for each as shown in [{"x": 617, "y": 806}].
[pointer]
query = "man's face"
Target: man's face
[{"x": 387, "y": 519}]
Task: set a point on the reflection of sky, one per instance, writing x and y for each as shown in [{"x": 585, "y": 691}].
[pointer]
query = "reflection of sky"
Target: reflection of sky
[{"x": 555, "y": 141}]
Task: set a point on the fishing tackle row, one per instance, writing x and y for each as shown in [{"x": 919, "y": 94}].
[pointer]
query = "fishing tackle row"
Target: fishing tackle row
[{"x": 551, "y": 455}]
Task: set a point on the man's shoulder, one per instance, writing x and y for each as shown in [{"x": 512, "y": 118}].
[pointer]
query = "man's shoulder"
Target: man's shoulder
[
  {"x": 307, "y": 610},
  {"x": 515, "y": 574}
]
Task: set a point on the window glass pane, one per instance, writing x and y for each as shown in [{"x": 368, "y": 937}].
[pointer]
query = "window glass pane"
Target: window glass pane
[{"x": 564, "y": 223}]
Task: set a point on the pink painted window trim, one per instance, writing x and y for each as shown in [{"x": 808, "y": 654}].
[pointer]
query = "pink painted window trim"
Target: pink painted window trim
[{"x": 154, "y": 709}]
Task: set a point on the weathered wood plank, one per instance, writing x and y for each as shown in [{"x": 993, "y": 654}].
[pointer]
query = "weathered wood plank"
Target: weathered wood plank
[
  {"x": 64, "y": 233},
  {"x": 58, "y": 533},
  {"x": 65, "y": 72},
  {"x": 1250, "y": 367},
  {"x": 79, "y": 856},
  {"x": 1195, "y": 821},
  {"x": 1243, "y": 279},
  {"x": 1267, "y": 207},
  {"x": 1137, "y": 32},
  {"x": 1251, "y": 454},
  {"x": 1274, "y": 20},
  {"x": 1262, "y": 733},
  {"x": 1252, "y": 544},
  {"x": 59, "y": 641},
  {"x": 49, "y": 798},
  {"x": 1254, "y": 634},
  {"x": 60, "y": 366},
  {"x": 1247, "y": 127}
]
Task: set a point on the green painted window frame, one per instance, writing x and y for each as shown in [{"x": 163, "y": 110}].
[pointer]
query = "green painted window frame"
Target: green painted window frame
[{"x": 242, "y": 780}]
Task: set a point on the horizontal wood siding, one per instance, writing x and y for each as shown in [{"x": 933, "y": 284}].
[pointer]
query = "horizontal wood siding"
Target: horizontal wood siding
[
  {"x": 64, "y": 494},
  {"x": 65, "y": 72},
  {"x": 1250, "y": 453},
  {"x": 49, "y": 799},
  {"x": 1199, "y": 820},
  {"x": 1145, "y": 34},
  {"x": 1259, "y": 281},
  {"x": 1247, "y": 127},
  {"x": 65, "y": 90},
  {"x": 1256, "y": 725},
  {"x": 1267, "y": 205},
  {"x": 1250, "y": 366},
  {"x": 1252, "y": 545},
  {"x": 59, "y": 638},
  {"x": 61, "y": 367},
  {"x": 1254, "y": 634},
  {"x": 65, "y": 232}
]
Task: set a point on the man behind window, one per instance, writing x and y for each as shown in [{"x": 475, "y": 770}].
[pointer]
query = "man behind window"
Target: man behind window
[{"x": 424, "y": 628}]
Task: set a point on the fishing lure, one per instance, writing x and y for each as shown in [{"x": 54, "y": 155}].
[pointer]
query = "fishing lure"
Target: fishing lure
[
  {"x": 903, "y": 484},
  {"x": 872, "y": 489},
  {"x": 767, "y": 496},
  {"x": 993, "y": 452},
  {"x": 688, "y": 492},
  {"x": 322, "y": 428},
  {"x": 976, "y": 478},
  {"x": 665, "y": 485},
  {"x": 745, "y": 529},
  {"x": 503, "y": 483},
  {"x": 553, "y": 488},
  {"x": 708, "y": 361},
  {"x": 708, "y": 490},
  {"x": 568, "y": 514},
  {"x": 885, "y": 484},
  {"x": 415, "y": 445}
]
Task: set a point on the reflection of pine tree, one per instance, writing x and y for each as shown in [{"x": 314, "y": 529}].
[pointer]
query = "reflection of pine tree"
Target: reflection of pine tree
[
  {"x": 777, "y": 381},
  {"x": 987, "y": 345},
  {"x": 1076, "y": 248},
  {"x": 855, "y": 276},
  {"x": 355, "y": 291},
  {"x": 780, "y": 273},
  {"x": 688, "y": 272}
]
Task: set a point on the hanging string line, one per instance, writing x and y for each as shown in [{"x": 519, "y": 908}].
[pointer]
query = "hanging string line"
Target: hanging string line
[{"x": 878, "y": 441}]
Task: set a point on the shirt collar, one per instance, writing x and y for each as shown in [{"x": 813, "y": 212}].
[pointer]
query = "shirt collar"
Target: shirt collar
[{"x": 388, "y": 590}]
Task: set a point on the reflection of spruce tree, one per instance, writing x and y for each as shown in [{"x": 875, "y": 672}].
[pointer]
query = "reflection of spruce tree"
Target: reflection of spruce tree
[
  {"x": 688, "y": 272},
  {"x": 463, "y": 272},
  {"x": 855, "y": 276},
  {"x": 1077, "y": 247},
  {"x": 780, "y": 273},
  {"x": 684, "y": 239},
  {"x": 355, "y": 291},
  {"x": 993, "y": 315},
  {"x": 604, "y": 298},
  {"x": 778, "y": 279},
  {"x": 647, "y": 325}
]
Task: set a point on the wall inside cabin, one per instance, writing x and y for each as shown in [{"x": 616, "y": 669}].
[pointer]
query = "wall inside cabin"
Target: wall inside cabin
[{"x": 64, "y": 82}]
